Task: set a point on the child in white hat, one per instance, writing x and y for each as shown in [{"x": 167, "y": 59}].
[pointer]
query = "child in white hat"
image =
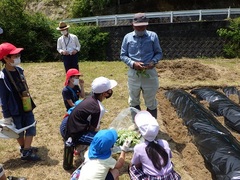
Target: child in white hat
[{"x": 152, "y": 158}]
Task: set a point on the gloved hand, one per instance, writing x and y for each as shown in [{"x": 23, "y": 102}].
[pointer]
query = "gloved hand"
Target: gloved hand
[
  {"x": 8, "y": 121},
  {"x": 126, "y": 145}
]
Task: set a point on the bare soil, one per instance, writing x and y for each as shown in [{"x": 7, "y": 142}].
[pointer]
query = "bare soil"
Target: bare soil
[{"x": 187, "y": 159}]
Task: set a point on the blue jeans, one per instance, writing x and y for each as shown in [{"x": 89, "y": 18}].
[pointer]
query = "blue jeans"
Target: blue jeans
[{"x": 85, "y": 138}]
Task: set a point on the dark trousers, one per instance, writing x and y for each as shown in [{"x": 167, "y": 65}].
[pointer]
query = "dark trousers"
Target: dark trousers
[{"x": 70, "y": 61}]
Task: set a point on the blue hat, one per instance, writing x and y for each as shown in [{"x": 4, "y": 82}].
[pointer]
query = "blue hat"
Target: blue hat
[{"x": 103, "y": 141}]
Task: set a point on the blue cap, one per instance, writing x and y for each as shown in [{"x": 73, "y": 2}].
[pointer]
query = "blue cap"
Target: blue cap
[
  {"x": 1, "y": 30},
  {"x": 103, "y": 141}
]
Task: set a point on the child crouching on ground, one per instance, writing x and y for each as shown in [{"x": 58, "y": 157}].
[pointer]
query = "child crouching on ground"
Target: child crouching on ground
[
  {"x": 152, "y": 158},
  {"x": 99, "y": 163}
]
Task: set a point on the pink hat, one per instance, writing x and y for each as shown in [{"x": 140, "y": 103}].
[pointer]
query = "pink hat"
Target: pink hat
[
  {"x": 7, "y": 48},
  {"x": 70, "y": 73},
  {"x": 102, "y": 84},
  {"x": 147, "y": 125},
  {"x": 140, "y": 19}
]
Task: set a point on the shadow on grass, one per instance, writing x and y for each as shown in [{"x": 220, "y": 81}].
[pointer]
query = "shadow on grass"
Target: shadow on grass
[{"x": 13, "y": 164}]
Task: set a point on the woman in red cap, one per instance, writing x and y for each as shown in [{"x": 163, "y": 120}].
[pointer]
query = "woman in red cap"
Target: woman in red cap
[
  {"x": 74, "y": 88},
  {"x": 16, "y": 102}
]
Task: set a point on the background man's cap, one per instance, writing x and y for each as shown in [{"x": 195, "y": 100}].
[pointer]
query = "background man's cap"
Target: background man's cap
[
  {"x": 102, "y": 84},
  {"x": 62, "y": 26},
  {"x": 147, "y": 125},
  {"x": 1, "y": 30},
  {"x": 102, "y": 143},
  {"x": 140, "y": 19},
  {"x": 8, "y": 48},
  {"x": 71, "y": 72}
]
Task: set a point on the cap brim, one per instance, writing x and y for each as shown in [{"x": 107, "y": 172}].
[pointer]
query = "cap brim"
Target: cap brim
[
  {"x": 113, "y": 83},
  {"x": 16, "y": 51},
  {"x": 141, "y": 24}
]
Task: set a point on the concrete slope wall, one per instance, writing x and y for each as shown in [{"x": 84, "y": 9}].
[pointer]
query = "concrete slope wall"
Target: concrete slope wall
[{"x": 178, "y": 40}]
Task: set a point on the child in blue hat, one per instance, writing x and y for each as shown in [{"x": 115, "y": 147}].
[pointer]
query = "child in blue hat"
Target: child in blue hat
[{"x": 99, "y": 163}]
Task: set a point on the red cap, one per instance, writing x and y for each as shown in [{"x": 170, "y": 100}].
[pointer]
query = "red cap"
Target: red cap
[
  {"x": 70, "y": 73},
  {"x": 8, "y": 48}
]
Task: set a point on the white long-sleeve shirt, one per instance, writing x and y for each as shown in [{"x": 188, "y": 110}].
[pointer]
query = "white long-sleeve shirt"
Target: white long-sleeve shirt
[{"x": 68, "y": 43}]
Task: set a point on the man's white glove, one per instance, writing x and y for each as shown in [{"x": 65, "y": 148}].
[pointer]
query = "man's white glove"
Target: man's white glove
[
  {"x": 8, "y": 121},
  {"x": 126, "y": 145}
]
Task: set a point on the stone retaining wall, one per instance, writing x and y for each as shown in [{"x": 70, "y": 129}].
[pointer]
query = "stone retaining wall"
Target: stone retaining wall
[{"x": 191, "y": 40}]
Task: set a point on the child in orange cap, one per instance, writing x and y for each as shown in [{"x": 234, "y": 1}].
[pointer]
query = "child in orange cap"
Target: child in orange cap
[{"x": 74, "y": 88}]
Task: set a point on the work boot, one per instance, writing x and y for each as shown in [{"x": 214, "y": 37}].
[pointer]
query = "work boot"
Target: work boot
[{"x": 153, "y": 112}]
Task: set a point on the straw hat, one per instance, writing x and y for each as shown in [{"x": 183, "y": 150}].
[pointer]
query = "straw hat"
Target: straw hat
[{"x": 62, "y": 26}]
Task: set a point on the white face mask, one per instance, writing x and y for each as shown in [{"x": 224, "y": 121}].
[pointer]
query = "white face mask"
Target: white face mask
[
  {"x": 16, "y": 62},
  {"x": 64, "y": 32},
  {"x": 76, "y": 82},
  {"x": 140, "y": 33}
]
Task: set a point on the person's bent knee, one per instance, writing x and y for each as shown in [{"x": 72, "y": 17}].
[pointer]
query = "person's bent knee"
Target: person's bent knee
[{"x": 115, "y": 173}]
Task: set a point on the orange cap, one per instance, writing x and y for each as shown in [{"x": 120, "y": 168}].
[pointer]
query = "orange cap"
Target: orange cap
[{"x": 70, "y": 73}]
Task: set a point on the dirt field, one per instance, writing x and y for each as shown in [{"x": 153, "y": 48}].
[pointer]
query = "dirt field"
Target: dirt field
[
  {"x": 46, "y": 82},
  {"x": 187, "y": 159}
]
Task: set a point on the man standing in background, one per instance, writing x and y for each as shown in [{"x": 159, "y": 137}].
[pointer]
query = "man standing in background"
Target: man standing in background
[
  {"x": 68, "y": 46},
  {"x": 141, "y": 51}
]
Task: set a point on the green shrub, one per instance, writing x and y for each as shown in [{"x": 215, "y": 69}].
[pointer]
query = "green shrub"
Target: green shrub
[
  {"x": 32, "y": 31},
  {"x": 38, "y": 35},
  {"x": 232, "y": 38},
  {"x": 93, "y": 42}
]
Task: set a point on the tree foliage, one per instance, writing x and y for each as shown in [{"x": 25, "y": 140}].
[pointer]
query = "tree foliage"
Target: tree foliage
[
  {"x": 85, "y": 8},
  {"x": 38, "y": 35},
  {"x": 93, "y": 42},
  {"x": 31, "y": 31},
  {"x": 232, "y": 38}
]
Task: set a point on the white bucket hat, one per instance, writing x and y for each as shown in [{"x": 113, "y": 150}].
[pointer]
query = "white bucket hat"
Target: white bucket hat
[
  {"x": 147, "y": 125},
  {"x": 102, "y": 84}
]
